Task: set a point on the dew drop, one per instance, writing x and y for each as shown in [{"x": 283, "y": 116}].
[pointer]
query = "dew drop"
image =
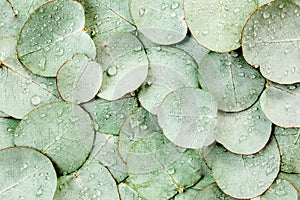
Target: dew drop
[
  {"x": 266, "y": 15},
  {"x": 112, "y": 70},
  {"x": 138, "y": 48},
  {"x": 39, "y": 192},
  {"x": 142, "y": 12},
  {"x": 164, "y": 6},
  {"x": 292, "y": 87},
  {"x": 174, "y": 5},
  {"x": 205, "y": 32},
  {"x": 35, "y": 100}
]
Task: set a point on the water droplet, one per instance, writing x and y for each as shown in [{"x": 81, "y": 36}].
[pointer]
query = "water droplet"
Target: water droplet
[
  {"x": 39, "y": 192},
  {"x": 137, "y": 48},
  {"x": 236, "y": 10},
  {"x": 266, "y": 15},
  {"x": 173, "y": 14},
  {"x": 171, "y": 171},
  {"x": 242, "y": 74},
  {"x": 174, "y": 5},
  {"x": 112, "y": 70},
  {"x": 292, "y": 87},
  {"x": 35, "y": 100},
  {"x": 205, "y": 32},
  {"x": 142, "y": 11},
  {"x": 42, "y": 64},
  {"x": 281, "y": 5},
  {"x": 234, "y": 54},
  {"x": 164, "y": 6},
  {"x": 261, "y": 183}
]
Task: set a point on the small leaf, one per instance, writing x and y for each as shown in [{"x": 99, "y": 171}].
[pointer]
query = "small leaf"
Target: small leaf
[
  {"x": 7, "y": 129},
  {"x": 161, "y": 21},
  {"x": 170, "y": 69},
  {"x": 280, "y": 190},
  {"x": 212, "y": 192},
  {"x": 150, "y": 167},
  {"x": 275, "y": 52},
  {"x": 281, "y": 104},
  {"x": 234, "y": 84},
  {"x": 185, "y": 125},
  {"x": 79, "y": 79},
  {"x": 91, "y": 181},
  {"x": 105, "y": 151},
  {"x": 51, "y": 35},
  {"x": 21, "y": 91},
  {"x": 109, "y": 115},
  {"x": 246, "y": 177},
  {"x": 63, "y": 131},
  {"x": 26, "y": 174},
  {"x": 289, "y": 145},
  {"x": 245, "y": 132},
  {"x": 125, "y": 66},
  {"x": 218, "y": 25},
  {"x": 128, "y": 193}
]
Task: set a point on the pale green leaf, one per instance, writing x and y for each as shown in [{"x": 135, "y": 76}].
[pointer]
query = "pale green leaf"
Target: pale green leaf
[{"x": 280, "y": 190}]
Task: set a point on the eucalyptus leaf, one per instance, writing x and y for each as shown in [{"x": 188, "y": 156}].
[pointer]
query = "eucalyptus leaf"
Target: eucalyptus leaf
[
  {"x": 79, "y": 79},
  {"x": 91, "y": 181},
  {"x": 26, "y": 174},
  {"x": 294, "y": 179},
  {"x": 280, "y": 190},
  {"x": 151, "y": 169},
  {"x": 248, "y": 176},
  {"x": 63, "y": 131},
  {"x": 245, "y": 132},
  {"x": 106, "y": 18},
  {"x": 128, "y": 193},
  {"x": 218, "y": 25},
  {"x": 283, "y": 99},
  {"x": 125, "y": 66},
  {"x": 160, "y": 21},
  {"x": 270, "y": 41},
  {"x": 51, "y": 35},
  {"x": 21, "y": 91},
  {"x": 170, "y": 69},
  {"x": 185, "y": 125},
  {"x": 109, "y": 115},
  {"x": 228, "y": 77},
  {"x": 289, "y": 145},
  {"x": 7, "y": 129},
  {"x": 105, "y": 151},
  {"x": 212, "y": 192},
  {"x": 14, "y": 14}
]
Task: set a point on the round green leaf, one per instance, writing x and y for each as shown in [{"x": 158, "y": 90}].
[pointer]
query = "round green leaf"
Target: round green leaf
[
  {"x": 14, "y": 14},
  {"x": 246, "y": 177},
  {"x": 106, "y": 18},
  {"x": 170, "y": 69},
  {"x": 7, "y": 128},
  {"x": 79, "y": 79},
  {"x": 188, "y": 118},
  {"x": 63, "y": 131},
  {"x": 245, "y": 132},
  {"x": 270, "y": 41},
  {"x": 212, "y": 192},
  {"x": 26, "y": 174},
  {"x": 234, "y": 84},
  {"x": 289, "y": 145},
  {"x": 125, "y": 66},
  {"x": 92, "y": 181},
  {"x": 281, "y": 104},
  {"x": 218, "y": 25},
  {"x": 105, "y": 151},
  {"x": 280, "y": 190},
  {"x": 160, "y": 21},
  {"x": 137, "y": 126},
  {"x": 109, "y": 115},
  {"x": 51, "y": 35},
  {"x": 128, "y": 193},
  {"x": 150, "y": 167},
  {"x": 21, "y": 91}
]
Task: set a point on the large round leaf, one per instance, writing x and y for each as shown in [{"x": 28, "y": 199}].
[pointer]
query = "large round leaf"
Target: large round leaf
[
  {"x": 289, "y": 145},
  {"x": 151, "y": 169},
  {"x": 79, "y": 79},
  {"x": 245, "y": 132},
  {"x": 212, "y": 192},
  {"x": 170, "y": 69},
  {"x": 281, "y": 104},
  {"x": 21, "y": 91},
  {"x": 280, "y": 190},
  {"x": 51, "y": 35},
  {"x": 125, "y": 66},
  {"x": 234, "y": 84},
  {"x": 217, "y": 25},
  {"x": 109, "y": 115},
  {"x": 270, "y": 41},
  {"x": 160, "y": 21},
  {"x": 26, "y": 174},
  {"x": 63, "y": 131},
  {"x": 7, "y": 128},
  {"x": 137, "y": 126},
  {"x": 91, "y": 181},
  {"x": 188, "y": 117},
  {"x": 246, "y": 177},
  {"x": 14, "y": 14}
]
